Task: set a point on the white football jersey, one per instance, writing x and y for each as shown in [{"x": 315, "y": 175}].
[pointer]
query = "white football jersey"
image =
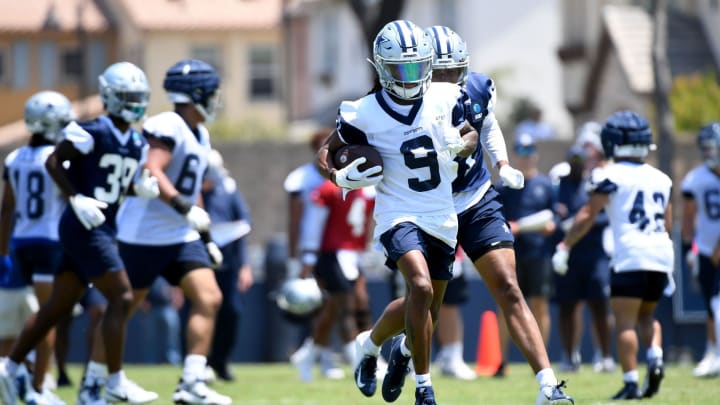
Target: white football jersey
[
  {"x": 638, "y": 196},
  {"x": 704, "y": 187},
  {"x": 303, "y": 181},
  {"x": 152, "y": 221},
  {"x": 418, "y": 170},
  {"x": 38, "y": 201}
]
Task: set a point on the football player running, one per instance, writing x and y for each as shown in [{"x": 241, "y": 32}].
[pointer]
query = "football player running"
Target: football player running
[
  {"x": 103, "y": 156},
  {"x": 162, "y": 237},
  {"x": 701, "y": 222},
  {"x": 636, "y": 198},
  {"x": 416, "y": 127},
  {"x": 34, "y": 203}
]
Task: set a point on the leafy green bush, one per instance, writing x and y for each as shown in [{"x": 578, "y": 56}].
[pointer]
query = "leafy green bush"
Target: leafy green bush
[{"x": 695, "y": 101}]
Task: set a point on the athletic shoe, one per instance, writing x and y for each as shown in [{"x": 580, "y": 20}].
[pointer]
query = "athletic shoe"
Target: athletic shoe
[
  {"x": 8, "y": 389},
  {"x": 705, "y": 367},
  {"x": 23, "y": 380},
  {"x": 457, "y": 369},
  {"x": 501, "y": 371},
  {"x": 197, "y": 392},
  {"x": 554, "y": 395},
  {"x": 223, "y": 372},
  {"x": 606, "y": 365},
  {"x": 91, "y": 394},
  {"x": 64, "y": 380},
  {"x": 304, "y": 359},
  {"x": 365, "y": 377},
  {"x": 628, "y": 391},
  {"x": 425, "y": 396},
  {"x": 655, "y": 374},
  {"x": 47, "y": 397},
  {"x": 396, "y": 372},
  {"x": 129, "y": 391}
]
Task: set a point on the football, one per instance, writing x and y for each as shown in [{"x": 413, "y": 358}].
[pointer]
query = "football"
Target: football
[{"x": 348, "y": 153}]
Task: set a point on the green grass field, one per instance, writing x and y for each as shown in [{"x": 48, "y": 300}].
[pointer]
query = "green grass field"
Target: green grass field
[{"x": 277, "y": 384}]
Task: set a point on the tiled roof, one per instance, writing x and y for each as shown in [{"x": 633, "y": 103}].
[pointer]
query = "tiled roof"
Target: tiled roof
[
  {"x": 630, "y": 30},
  {"x": 62, "y": 15},
  {"x": 204, "y": 14}
]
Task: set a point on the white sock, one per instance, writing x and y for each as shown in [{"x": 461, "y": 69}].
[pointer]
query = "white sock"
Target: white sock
[
  {"x": 631, "y": 376},
  {"x": 456, "y": 352},
  {"x": 404, "y": 350},
  {"x": 95, "y": 372},
  {"x": 114, "y": 379},
  {"x": 370, "y": 348},
  {"x": 194, "y": 367},
  {"x": 423, "y": 380},
  {"x": 349, "y": 352},
  {"x": 654, "y": 353},
  {"x": 546, "y": 377},
  {"x": 11, "y": 366}
]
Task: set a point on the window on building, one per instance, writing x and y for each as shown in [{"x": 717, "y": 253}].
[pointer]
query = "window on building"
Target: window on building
[
  {"x": 48, "y": 65},
  {"x": 71, "y": 64},
  {"x": 210, "y": 54},
  {"x": 263, "y": 72},
  {"x": 21, "y": 65},
  {"x": 97, "y": 59}
]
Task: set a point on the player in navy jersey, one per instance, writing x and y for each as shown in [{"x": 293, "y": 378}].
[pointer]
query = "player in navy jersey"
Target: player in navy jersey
[
  {"x": 169, "y": 236},
  {"x": 417, "y": 128},
  {"x": 31, "y": 210},
  {"x": 636, "y": 198},
  {"x": 701, "y": 223},
  {"x": 103, "y": 156}
]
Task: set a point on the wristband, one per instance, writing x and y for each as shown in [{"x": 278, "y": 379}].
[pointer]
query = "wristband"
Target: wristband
[
  {"x": 309, "y": 258},
  {"x": 180, "y": 204}
]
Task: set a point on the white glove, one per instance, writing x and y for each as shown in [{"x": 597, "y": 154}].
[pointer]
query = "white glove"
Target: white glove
[
  {"x": 560, "y": 259},
  {"x": 147, "y": 185},
  {"x": 198, "y": 218},
  {"x": 88, "y": 210},
  {"x": 351, "y": 178},
  {"x": 453, "y": 141},
  {"x": 511, "y": 178},
  {"x": 691, "y": 258},
  {"x": 216, "y": 255}
]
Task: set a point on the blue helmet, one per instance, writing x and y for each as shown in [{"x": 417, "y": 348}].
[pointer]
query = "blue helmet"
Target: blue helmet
[
  {"x": 125, "y": 91},
  {"x": 193, "y": 81},
  {"x": 709, "y": 144},
  {"x": 626, "y": 134},
  {"x": 47, "y": 113}
]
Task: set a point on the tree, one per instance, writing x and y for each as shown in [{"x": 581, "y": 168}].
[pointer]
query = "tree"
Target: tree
[
  {"x": 373, "y": 15},
  {"x": 664, "y": 116}
]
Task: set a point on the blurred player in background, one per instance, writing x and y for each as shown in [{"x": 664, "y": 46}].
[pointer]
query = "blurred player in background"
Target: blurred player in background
[
  {"x": 168, "y": 236},
  {"x": 636, "y": 197},
  {"x": 230, "y": 221},
  {"x": 701, "y": 223},
  {"x": 104, "y": 154},
  {"x": 483, "y": 232},
  {"x": 30, "y": 213},
  {"x": 415, "y": 220},
  {"x": 342, "y": 224}
]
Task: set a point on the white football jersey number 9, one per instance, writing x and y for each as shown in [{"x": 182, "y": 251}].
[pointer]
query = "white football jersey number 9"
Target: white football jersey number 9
[{"x": 121, "y": 172}]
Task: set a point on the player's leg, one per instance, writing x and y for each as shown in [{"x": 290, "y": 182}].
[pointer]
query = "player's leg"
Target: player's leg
[
  {"x": 627, "y": 289},
  {"x": 226, "y": 325},
  {"x": 650, "y": 332},
  {"x": 570, "y": 324},
  {"x": 599, "y": 309},
  {"x": 449, "y": 331},
  {"x": 363, "y": 317}
]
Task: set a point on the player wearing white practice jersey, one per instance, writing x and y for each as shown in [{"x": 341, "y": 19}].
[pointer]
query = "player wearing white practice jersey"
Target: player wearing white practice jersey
[
  {"x": 636, "y": 198},
  {"x": 701, "y": 222},
  {"x": 416, "y": 127},
  {"x": 169, "y": 236}
]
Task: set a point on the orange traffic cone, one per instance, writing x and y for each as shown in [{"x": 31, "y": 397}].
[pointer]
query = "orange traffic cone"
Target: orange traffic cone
[{"x": 488, "y": 357}]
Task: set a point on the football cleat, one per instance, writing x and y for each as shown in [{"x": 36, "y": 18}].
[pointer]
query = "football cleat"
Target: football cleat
[
  {"x": 554, "y": 395},
  {"x": 365, "y": 377},
  {"x": 197, "y": 392},
  {"x": 655, "y": 374},
  {"x": 8, "y": 389},
  {"x": 457, "y": 369},
  {"x": 91, "y": 394},
  {"x": 628, "y": 391},
  {"x": 47, "y": 397},
  {"x": 303, "y": 359},
  {"x": 705, "y": 368},
  {"x": 425, "y": 396},
  {"x": 396, "y": 371},
  {"x": 128, "y": 391},
  {"x": 605, "y": 365}
]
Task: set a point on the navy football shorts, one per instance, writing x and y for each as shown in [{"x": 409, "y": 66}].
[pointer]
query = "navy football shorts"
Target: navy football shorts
[
  {"x": 329, "y": 274},
  {"x": 588, "y": 278},
  {"x": 535, "y": 276},
  {"x": 37, "y": 262},
  {"x": 709, "y": 280},
  {"x": 407, "y": 236},
  {"x": 483, "y": 227},
  {"x": 145, "y": 263},
  {"x": 646, "y": 285},
  {"x": 456, "y": 292}
]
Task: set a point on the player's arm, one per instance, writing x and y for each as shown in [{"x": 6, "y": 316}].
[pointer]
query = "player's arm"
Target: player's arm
[
  {"x": 7, "y": 209},
  {"x": 668, "y": 218},
  {"x": 323, "y": 161},
  {"x": 689, "y": 211},
  {"x": 54, "y": 165},
  {"x": 585, "y": 218},
  {"x": 349, "y": 177}
]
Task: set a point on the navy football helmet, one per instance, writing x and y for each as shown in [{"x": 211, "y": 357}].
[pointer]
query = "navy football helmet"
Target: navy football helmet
[
  {"x": 402, "y": 57},
  {"x": 194, "y": 81},
  {"x": 709, "y": 144},
  {"x": 47, "y": 113},
  {"x": 450, "y": 52},
  {"x": 124, "y": 91},
  {"x": 626, "y": 134}
]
